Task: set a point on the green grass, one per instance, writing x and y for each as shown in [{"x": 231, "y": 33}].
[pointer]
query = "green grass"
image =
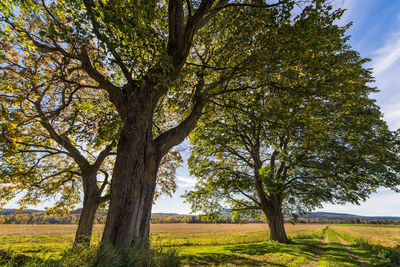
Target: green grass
[
  {"x": 301, "y": 250},
  {"x": 174, "y": 240},
  {"x": 243, "y": 249},
  {"x": 372, "y": 254},
  {"x": 46, "y": 246},
  {"x": 52, "y": 246},
  {"x": 207, "y": 249},
  {"x": 267, "y": 252},
  {"x": 38, "y": 246},
  {"x": 137, "y": 256},
  {"x": 335, "y": 254}
]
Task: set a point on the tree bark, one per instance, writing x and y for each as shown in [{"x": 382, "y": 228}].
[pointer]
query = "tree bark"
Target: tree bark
[
  {"x": 91, "y": 201},
  {"x": 86, "y": 220},
  {"x": 132, "y": 191},
  {"x": 134, "y": 179},
  {"x": 273, "y": 212}
]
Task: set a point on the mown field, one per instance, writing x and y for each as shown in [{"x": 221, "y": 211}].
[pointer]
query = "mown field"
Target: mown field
[{"x": 232, "y": 245}]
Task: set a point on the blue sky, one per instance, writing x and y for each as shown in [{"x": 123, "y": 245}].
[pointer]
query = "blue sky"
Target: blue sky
[{"x": 376, "y": 35}]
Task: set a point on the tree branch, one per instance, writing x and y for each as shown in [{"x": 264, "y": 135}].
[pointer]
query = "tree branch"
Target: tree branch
[
  {"x": 62, "y": 140},
  {"x": 114, "y": 91},
  {"x": 223, "y": 6},
  {"x": 180, "y": 35},
  {"x": 239, "y": 202},
  {"x": 165, "y": 141},
  {"x": 103, "y": 154},
  {"x": 175, "y": 27},
  {"x": 247, "y": 208},
  {"x": 96, "y": 28},
  {"x": 210, "y": 15},
  {"x": 105, "y": 182},
  {"x": 36, "y": 184},
  {"x": 237, "y": 154},
  {"x": 302, "y": 177},
  {"x": 248, "y": 196}
]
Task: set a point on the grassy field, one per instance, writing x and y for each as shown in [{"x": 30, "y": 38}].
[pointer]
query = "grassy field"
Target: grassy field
[
  {"x": 232, "y": 245},
  {"x": 376, "y": 234}
]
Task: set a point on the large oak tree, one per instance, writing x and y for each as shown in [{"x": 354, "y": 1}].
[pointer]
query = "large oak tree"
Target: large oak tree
[
  {"x": 143, "y": 55},
  {"x": 58, "y": 136},
  {"x": 311, "y": 136}
]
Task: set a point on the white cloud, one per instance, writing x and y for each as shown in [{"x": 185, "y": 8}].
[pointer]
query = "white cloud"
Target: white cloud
[
  {"x": 184, "y": 181},
  {"x": 387, "y": 55},
  {"x": 392, "y": 115},
  {"x": 386, "y": 70},
  {"x": 384, "y": 203},
  {"x": 388, "y": 82}
]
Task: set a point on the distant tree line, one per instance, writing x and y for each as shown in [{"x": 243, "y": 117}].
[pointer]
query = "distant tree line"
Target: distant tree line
[
  {"x": 73, "y": 218},
  {"x": 42, "y": 218}
]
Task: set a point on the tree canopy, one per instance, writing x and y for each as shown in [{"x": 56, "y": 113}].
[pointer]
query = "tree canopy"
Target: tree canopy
[
  {"x": 311, "y": 136},
  {"x": 58, "y": 138},
  {"x": 59, "y": 132}
]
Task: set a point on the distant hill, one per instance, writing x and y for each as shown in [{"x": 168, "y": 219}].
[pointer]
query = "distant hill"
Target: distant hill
[{"x": 345, "y": 216}]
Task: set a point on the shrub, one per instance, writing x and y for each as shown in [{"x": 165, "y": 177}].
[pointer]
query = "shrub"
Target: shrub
[{"x": 388, "y": 256}]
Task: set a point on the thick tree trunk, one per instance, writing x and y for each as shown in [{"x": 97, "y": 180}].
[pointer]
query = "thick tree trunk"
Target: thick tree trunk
[
  {"x": 133, "y": 182},
  {"x": 138, "y": 157},
  {"x": 86, "y": 220},
  {"x": 273, "y": 212},
  {"x": 132, "y": 191}
]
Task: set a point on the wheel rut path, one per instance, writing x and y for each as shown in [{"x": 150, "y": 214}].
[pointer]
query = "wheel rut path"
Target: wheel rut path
[
  {"x": 314, "y": 261},
  {"x": 347, "y": 245}
]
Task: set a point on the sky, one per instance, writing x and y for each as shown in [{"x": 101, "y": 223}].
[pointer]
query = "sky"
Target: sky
[{"x": 375, "y": 34}]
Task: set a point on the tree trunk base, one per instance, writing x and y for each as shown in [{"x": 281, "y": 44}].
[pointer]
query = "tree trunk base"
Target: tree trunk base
[
  {"x": 86, "y": 221},
  {"x": 273, "y": 212}
]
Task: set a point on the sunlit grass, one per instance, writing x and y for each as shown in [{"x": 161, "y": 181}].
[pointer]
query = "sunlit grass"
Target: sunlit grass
[
  {"x": 220, "y": 245},
  {"x": 51, "y": 240},
  {"x": 377, "y": 255},
  {"x": 303, "y": 248},
  {"x": 206, "y": 242},
  {"x": 335, "y": 254},
  {"x": 376, "y": 234}
]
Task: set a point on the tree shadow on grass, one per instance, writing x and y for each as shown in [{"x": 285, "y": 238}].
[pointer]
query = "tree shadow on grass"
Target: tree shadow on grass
[
  {"x": 338, "y": 255},
  {"x": 377, "y": 254},
  {"x": 270, "y": 247},
  {"x": 252, "y": 254},
  {"x": 9, "y": 259},
  {"x": 204, "y": 259},
  {"x": 362, "y": 255}
]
